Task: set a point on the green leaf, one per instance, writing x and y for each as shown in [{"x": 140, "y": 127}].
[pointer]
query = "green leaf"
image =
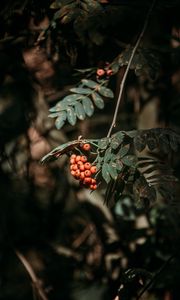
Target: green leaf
[
  {"x": 112, "y": 170},
  {"x": 132, "y": 133},
  {"x": 53, "y": 115},
  {"x": 129, "y": 160},
  {"x": 115, "y": 67},
  {"x": 93, "y": 4},
  {"x": 71, "y": 116},
  {"x": 119, "y": 135},
  {"x": 115, "y": 142},
  {"x": 79, "y": 110},
  {"x": 70, "y": 16},
  {"x": 103, "y": 143},
  {"x": 164, "y": 143},
  {"x": 80, "y": 90},
  {"x": 105, "y": 173},
  {"x": 140, "y": 143},
  {"x": 108, "y": 155},
  {"x": 59, "y": 106},
  {"x": 84, "y": 70},
  {"x": 96, "y": 37},
  {"x": 88, "y": 106},
  {"x": 106, "y": 92},
  {"x": 60, "y": 121},
  {"x": 119, "y": 165},
  {"x": 89, "y": 83},
  {"x": 55, "y": 5},
  {"x": 124, "y": 150},
  {"x": 152, "y": 143},
  {"x": 71, "y": 99},
  {"x": 99, "y": 102}
]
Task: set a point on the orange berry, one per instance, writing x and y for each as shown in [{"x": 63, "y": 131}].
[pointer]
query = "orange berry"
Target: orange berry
[
  {"x": 83, "y": 158},
  {"x": 73, "y": 173},
  {"x": 87, "y": 173},
  {"x": 77, "y": 173},
  {"x": 100, "y": 72},
  {"x": 87, "y": 180},
  {"x": 86, "y": 147},
  {"x": 87, "y": 166},
  {"x": 78, "y": 158},
  {"x": 79, "y": 163},
  {"x": 71, "y": 167},
  {"x": 93, "y": 169},
  {"x": 73, "y": 156},
  {"x": 74, "y": 167},
  {"x": 82, "y": 176},
  {"x": 93, "y": 187},
  {"x": 81, "y": 167},
  {"x": 72, "y": 161},
  {"x": 93, "y": 181},
  {"x": 109, "y": 72}
]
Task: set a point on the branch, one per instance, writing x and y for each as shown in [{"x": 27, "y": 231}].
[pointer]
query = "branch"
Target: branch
[
  {"x": 113, "y": 124},
  {"x": 148, "y": 285},
  {"x": 35, "y": 280}
]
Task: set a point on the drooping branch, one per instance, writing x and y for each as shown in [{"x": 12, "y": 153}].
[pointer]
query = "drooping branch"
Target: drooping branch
[
  {"x": 113, "y": 124},
  {"x": 35, "y": 281}
]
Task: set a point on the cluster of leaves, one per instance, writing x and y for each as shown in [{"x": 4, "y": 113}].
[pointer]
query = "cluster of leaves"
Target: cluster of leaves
[
  {"x": 81, "y": 14},
  {"x": 89, "y": 18},
  {"x": 80, "y": 103},
  {"x": 122, "y": 168},
  {"x": 145, "y": 61}
]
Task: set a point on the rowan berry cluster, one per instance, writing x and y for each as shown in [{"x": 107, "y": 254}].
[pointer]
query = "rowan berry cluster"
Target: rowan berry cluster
[
  {"x": 104, "y": 72},
  {"x": 83, "y": 170}
]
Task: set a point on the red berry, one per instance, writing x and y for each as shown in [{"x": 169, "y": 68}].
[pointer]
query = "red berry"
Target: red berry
[
  {"x": 81, "y": 167},
  {"x": 79, "y": 163},
  {"x": 86, "y": 147},
  {"x": 100, "y": 72},
  {"x": 78, "y": 158},
  {"x": 87, "y": 173},
  {"x": 93, "y": 181},
  {"x": 77, "y": 174},
  {"x": 82, "y": 176},
  {"x": 93, "y": 169},
  {"x": 93, "y": 187},
  {"x": 73, "y": 156},
  {"x": 87, "y": 166},
  {"x": 73, "y": 173},
  {"x": 83, "y": 158},
  {"x": 72, "y": 161},
  {"x": 74, "y": 167},
  {"x": 109, "y": 72},
  {"x": 87, "y": 180}
]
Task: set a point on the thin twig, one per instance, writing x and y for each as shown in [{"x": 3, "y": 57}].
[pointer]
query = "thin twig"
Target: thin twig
[
  {"x": 147, "y": 286},
  {"x": 34, "y": 278},
  {"x": 113, "y": 124}
]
